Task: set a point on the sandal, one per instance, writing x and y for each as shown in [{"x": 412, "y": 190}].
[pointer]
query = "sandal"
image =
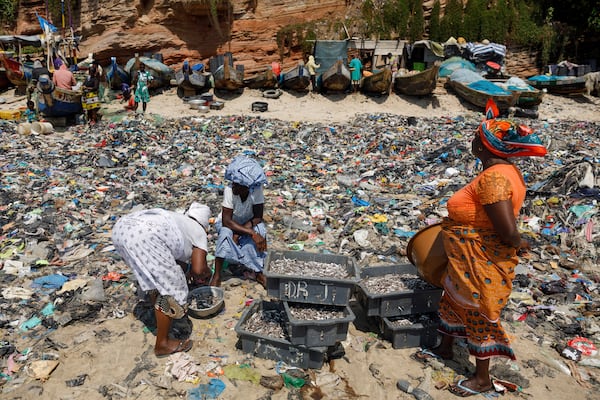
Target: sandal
[
  {"x": 460, "y": 390},
  {"x": 183, "y": 346},
  {"x": 425, "y": 355}
]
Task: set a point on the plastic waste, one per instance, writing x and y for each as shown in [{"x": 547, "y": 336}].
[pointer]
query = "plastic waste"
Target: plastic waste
[
  {"x": 208, "y": 391},
  {"x": 417, "y": 393},
  {"x": 94, "y": 291}
]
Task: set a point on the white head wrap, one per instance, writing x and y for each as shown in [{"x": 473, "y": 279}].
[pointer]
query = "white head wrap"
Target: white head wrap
[{"x": 200, "y": 213}]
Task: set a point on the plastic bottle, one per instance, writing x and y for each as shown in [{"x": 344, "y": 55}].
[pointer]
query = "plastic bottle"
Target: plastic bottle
[{"x": 417, "y": 393}]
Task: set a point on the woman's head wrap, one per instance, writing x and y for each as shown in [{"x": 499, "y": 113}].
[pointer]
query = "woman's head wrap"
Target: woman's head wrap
[
  {"x": 246, "y": 172},
  {"x": 199, "y": 213},
  {"x": 506, "y": 139}
]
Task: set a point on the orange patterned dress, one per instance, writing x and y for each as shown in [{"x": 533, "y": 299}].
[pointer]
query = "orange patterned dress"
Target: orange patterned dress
[{"x": 481, "y": 267}]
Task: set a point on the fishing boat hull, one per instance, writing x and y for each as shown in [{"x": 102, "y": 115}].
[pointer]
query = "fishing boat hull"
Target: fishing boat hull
[
  {"x": 527, "y": 96},
  {"x": 563, "y": 85},
  {"x": 196, "y": 82},
  {"x": 17, "y": 73},
  {"x": 422, "y": 83},
  {"x": 479, "y": 98},
  {"x": 378, "y": 83},
  {"x": 297, "y": 78},
  {"x": 57, "y": 102},
  {"x": 337, "y": 78},
  {"x": 4, "y": 81},
  {"x": 161, "y": 74},
  {"x": 116, "y": 76},
  {"x": 262, "y": 80}
]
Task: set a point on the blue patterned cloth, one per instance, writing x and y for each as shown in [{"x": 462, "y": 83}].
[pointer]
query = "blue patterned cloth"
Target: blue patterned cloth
[
  {"x": 247, "y": 172},
  {"x": 244, "y": 252}
]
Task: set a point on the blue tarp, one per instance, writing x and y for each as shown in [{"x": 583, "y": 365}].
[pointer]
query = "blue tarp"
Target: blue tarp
[{"x": 327, "y": 52}]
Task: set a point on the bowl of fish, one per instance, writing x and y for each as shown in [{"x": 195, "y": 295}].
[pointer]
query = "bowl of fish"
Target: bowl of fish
[{"x": 205, "y": 301}]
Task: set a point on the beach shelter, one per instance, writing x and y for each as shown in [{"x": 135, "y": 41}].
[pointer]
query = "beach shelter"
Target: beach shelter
[{"x": 421, "y": 54}]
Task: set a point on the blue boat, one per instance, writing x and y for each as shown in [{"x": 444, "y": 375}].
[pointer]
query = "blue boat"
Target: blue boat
[
  {"x": 116, "y": 75},
  {"x": 57, "y": 102}
]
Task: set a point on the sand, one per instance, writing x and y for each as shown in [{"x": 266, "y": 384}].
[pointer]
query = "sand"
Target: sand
[{"x": 116, "y": 353}]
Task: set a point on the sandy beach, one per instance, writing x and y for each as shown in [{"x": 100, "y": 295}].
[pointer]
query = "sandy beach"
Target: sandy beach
[{"x": 113, "y": 349}]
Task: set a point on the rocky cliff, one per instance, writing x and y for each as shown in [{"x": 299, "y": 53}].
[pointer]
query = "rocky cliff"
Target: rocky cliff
[{"x": 180, "y": 29}]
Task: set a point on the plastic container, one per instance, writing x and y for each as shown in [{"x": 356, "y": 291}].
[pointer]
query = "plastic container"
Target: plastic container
[
  {"x": 399, "y": 303},
  {"x": 10, "y": 114},
  {"x": 308, "y": 289},
  {"x": 41, "y": 128},
  {"x": 419, "y": 66},
  {"x": 317, "y": 333},
  {"x": 24, "y": 128},
  {"x": 276, "y": 349},
  {"x": 421, "y": 333},
  {"x": 217, "y": 105}
]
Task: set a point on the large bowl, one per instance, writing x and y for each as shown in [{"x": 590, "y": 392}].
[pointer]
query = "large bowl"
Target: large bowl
[
  {"x": 425, "y": 250},
  {"x": 205, "y": 295}
]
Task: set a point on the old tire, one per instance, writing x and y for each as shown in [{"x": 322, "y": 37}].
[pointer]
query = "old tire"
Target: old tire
[{"x": 272, "y": 93}]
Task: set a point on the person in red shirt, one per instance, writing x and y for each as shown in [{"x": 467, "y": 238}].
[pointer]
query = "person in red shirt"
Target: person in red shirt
[{"x": 63, "y": 78}]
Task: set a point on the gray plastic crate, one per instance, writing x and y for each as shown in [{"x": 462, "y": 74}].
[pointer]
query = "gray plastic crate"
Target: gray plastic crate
[
  {"x": 315, "y": 333},
  {"x": 395, "y": 304},
  {"x": 310, "y": 289},
  {"x": 276, "y": 349},
  {"x": 419, "y": 334}
]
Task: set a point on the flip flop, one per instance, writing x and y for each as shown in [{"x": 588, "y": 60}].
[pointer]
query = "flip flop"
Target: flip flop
[
  {"x": 458, "y": 389},
  {"x": 425, "y": 354},
  {"x": 183, "y": 346}
]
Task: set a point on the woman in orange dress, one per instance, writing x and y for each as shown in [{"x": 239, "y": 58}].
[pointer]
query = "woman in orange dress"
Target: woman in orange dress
[{"x": 481, "y": 240}]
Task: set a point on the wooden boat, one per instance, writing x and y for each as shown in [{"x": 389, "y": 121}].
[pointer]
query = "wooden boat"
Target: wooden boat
[
  {"x": 192, "y": 81},
  {"x": 17, "y": 73},
  {"x": 479, "y": 91},
  {"x": 116, "y": 75},
  {"x": 161, "y": 73},
  {"x": 558, "y": 84},
  {"x": 528, "y": 96},
  {"x": 57, "y": 102},
  {"x": 225, "y": 76},
  {"x": 337, "y": 78},
  {"x": 262, "y": 80},
  {"x": 421, "y": 83},
  {"x": 297, "y": 78},
  {"x": 4, "y": 82},
  {"x": 378, "y": 82}
]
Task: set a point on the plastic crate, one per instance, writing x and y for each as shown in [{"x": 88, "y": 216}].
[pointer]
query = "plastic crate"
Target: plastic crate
[
  {"x": 276, "y": 349},
  {"x": 316, "y": 333},
  {"x": 310, "y": 289},
  {"x": 217, "y": 105},
  {"x": 10, "y": 114},
  {"x": 396, "y": 304},
  {"x": 419, "y": 334}
]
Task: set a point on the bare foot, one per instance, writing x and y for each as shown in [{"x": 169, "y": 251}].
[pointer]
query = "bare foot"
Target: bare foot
[
  {"x": 215, "y": 281},
  {"x": 172, "y": 346},
  {"x": 469, "y": 387}
]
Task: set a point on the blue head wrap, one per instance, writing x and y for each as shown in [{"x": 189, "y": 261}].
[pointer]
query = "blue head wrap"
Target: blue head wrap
[{"x": 247, "y": 172}]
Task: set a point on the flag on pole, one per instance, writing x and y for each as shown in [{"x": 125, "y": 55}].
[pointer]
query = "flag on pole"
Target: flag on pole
[{"x": 47, "y": 27}]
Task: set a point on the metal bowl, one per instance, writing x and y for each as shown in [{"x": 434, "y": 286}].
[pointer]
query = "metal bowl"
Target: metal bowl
[
  {"x": 205, "y": 301},
  {"x": 196, "y": 104},
  {"x": 203, "y": 109}
]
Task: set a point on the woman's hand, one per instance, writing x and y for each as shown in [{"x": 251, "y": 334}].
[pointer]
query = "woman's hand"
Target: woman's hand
[{"x": 261, "y": 242}]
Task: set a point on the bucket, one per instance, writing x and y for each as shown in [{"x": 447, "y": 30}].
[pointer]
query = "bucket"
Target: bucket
[
  {"x": 425, "y": 250},
  {"x": 42, "y": 128},
  {"x": 24, "y": 128}
]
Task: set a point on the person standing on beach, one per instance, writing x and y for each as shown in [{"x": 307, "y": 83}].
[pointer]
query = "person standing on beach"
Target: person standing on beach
[
  {"x": 312, "y": 67},
  {"x": 482, "y": 242},
  {"x": 91, "y": 101},
  {"x": 140, "y": 87},
  {"x": 156, "y": 244},
  {"x": 356, "y": 72},
  {"x": 242, "y": 232},
  {"x": 62, "y": 77}
]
